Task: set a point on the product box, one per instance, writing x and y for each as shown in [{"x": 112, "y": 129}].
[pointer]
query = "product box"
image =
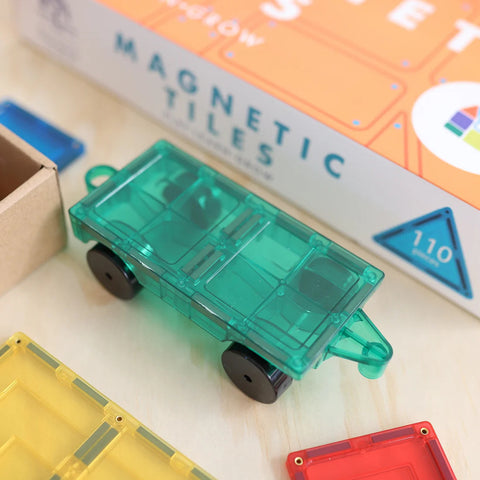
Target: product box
[
  {"x": 32, "y": 225},
  {"x": 363, "y": 112}
]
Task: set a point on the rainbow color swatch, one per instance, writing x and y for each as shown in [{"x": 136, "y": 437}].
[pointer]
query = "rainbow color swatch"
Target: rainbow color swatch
[{"x": 466, "y": 124}]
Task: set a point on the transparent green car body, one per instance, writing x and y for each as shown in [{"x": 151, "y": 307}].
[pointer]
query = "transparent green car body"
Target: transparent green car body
[{"x": 239, "y": 267}]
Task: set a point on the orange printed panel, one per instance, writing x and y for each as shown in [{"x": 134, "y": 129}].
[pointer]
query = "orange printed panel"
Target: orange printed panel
[
  {"x": 197, "y": 26},
  {"x": 314, "y": 76},
  {"x": 399, "y": 33},
  {"x": 460, "y": 67},
  {"x": 136, "y": 10},
  {"x": 359, "y": 67}
]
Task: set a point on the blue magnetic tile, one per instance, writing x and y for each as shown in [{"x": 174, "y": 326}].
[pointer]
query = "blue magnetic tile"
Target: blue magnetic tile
[{"x": 47, "y": 139}]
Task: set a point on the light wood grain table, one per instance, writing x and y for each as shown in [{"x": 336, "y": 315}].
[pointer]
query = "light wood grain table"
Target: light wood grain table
[{"x": 165, "y": 371}]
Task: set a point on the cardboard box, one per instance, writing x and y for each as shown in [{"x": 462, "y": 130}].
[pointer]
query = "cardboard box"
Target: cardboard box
[
  {"x": 363, "y": 112},
  {"x": 32, "y": 224}
]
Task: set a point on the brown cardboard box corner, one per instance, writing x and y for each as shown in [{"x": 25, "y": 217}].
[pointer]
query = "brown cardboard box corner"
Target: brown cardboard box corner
[{"x": 32, "y": 222}]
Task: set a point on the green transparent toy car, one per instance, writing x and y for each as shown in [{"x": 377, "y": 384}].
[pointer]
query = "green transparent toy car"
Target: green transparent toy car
[{"x": 284, "y": 295}]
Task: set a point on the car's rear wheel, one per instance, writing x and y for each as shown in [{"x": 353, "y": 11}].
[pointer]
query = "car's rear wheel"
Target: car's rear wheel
[
  {"x": 112, "y": 272},
  {"x": 253, "y": 375}
]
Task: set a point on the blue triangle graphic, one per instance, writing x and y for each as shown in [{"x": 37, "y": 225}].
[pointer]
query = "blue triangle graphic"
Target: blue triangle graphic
[{"x": 431, "y": 243}]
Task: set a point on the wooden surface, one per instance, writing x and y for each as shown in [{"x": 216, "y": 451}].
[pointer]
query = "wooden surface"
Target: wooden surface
[{"x": 165, "y": 371}]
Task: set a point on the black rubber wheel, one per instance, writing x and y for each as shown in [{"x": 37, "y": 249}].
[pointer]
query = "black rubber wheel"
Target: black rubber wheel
[
  {"x": 110, "y": 270},
  {"x": 253, "y": 375}
]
